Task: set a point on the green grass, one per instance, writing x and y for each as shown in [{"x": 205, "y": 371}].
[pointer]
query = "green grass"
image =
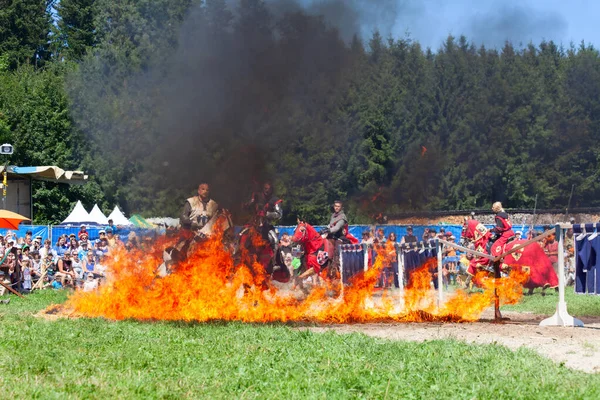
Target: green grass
[
  {"x": 94, "y": 358},
  {"x": 577, "y": 305}
]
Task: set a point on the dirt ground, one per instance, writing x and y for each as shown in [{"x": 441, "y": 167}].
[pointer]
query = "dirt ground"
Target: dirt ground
[{"x": 577, "y": 348}]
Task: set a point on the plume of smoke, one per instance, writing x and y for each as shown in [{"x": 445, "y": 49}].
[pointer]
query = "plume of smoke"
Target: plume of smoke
[{"x": 221, "y": 106}]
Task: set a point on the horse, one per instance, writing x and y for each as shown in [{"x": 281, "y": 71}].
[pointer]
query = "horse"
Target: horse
[
  {"x": 253, "y": 244},
  {"x": 188, "y": 241},
  {"x": 530, "y": 259},
  {"x": 320, "y": 252}
]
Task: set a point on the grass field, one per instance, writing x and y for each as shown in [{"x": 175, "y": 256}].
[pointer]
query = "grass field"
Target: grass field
[
  {"x": 577, "y": 305},
  {"x": 94, "y": 358}
]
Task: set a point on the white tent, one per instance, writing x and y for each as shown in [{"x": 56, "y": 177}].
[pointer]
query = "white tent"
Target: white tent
[
  {"x": 118, "y": 217},
  {"x": 78, "y": 215},
  {"x": 97, "y": 216}
]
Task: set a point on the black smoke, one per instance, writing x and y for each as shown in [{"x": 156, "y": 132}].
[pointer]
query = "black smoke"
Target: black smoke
[{"x": 233, "y": 101}]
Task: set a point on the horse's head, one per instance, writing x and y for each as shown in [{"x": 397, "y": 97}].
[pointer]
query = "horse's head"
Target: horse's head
[
  {"x": 473, "y": 230},
  {"x": 303, "y": 232}
]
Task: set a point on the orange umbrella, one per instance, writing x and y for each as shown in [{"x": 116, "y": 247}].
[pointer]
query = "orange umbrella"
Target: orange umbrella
[{"x": 11, "y": 220}]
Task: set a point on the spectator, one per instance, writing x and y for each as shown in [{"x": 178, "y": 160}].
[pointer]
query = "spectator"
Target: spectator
[
  {"x": 89, "y": 263},
  {"x": 518, "y": 235},
  {"x": 26, "y": 253},
  {"x": 409, "y": 237},
  {"x": 111, "y": 238},
  {"x": 551, "y": 250},
  {"x": 83, "y": 250},
  {"x": 379, "y": 236},
  {"x": 132, "y": 241},
  {"x": 82, "y": 232},
  {"x": 37, "y": 244},
  {"x": 442, "y": 234},
  {"x": 28, "y": 238},
  {"x": 90, "y": 283},
  {"x": 390, "y": 246},
  {"x": 49, "y": 265},
  {"x": 10, "y": 243},
  {"x": 77, "y": 266},
  {"x": 61, "y": 246},
  {"x": 73, "y": 244},
  {"x": 14, "y": 269},
  {"x": 98, "y": 252},
  {"x": 36, "y": 266},
  {"x": 36, "y": 261},
  {"x": 285, "y": 244},
  {"x": 111, "y": 226},
  {"x": 450, "y": 261},
  {"x": 101, "y": 234},
  {"x": 27, "y": 273},
  {"x": 47, "y": 250},
  {"x": 366, "y": 238},
  {"x": 65, "y": 273}
]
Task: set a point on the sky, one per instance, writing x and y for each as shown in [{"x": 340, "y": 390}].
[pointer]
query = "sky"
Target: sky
[{"x": 489, "y": 22}]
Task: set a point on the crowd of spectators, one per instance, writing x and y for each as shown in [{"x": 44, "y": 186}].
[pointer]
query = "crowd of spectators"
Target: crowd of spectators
[{"x": 73, "y": 261}]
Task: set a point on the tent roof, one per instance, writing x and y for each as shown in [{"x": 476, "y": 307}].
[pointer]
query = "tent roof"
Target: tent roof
[
  {"x": 118, "y": 217},
  {"x": 98, "y": 216},
  {"x": 78, "y": 215},
  {"x": 49, "y": 173}
]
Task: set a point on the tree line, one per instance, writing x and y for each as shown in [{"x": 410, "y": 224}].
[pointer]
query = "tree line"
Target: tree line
[{"x": 150, "y": 97}]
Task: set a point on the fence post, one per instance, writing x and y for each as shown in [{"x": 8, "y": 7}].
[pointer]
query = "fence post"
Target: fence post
[
  {"x": 400, "y": 257},
  {"x": 341, "y": 250},
  {"x": 440, "y": 273},
  {"x": 561, "y": 317}
]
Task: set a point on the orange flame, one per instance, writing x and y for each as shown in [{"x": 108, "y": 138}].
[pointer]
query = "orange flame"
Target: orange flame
[{"x": 208, "y": 286}]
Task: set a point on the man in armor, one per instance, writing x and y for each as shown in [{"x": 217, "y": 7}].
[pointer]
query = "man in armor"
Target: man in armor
[
  {"x": 198, "y": 216},
  {"x": 337, "y": 222},
  {"x": 268, "y": 210},
  {"x": 199, "y": 212},
  {"x": 502, "y": 230}
]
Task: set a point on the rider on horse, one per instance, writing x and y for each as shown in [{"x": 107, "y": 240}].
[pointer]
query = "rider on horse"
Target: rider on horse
[
  {"x": 199, "y": 211},
  {"x": 503, "y": 229},
  {"x": 198, "y": 218},
  {"x": 267, "y": 208}
]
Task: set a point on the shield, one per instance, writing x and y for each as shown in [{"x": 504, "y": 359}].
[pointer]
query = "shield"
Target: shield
[
  {"x": 11, "y": 220},
  {"x": 322, "y": 257}
]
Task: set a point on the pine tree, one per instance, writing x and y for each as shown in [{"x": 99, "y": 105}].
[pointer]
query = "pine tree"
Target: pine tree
[
  {"x": 77, "y": 27},
  {"x": 24, "y": 30}
]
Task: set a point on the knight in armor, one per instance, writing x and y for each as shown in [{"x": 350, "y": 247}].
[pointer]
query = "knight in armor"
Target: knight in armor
[
  {"x": 268, "y": 210},
  {"x": 199, "y": 212},
  {"x": 338, "y": 223},
  {"x": 502, "y": 230}
]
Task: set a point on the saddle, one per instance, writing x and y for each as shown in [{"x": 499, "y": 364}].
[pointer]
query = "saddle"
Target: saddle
[{"x": 491, "y": 243}]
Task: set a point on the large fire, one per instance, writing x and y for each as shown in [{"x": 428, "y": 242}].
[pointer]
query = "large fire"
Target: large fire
[{"x": 208, "y": 286}]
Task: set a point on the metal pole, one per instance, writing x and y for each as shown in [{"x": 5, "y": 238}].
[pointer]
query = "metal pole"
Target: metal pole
[
  {"x": 400, "y": 256},
  {"x": 440, "y": 275},
  {"x": 366, "y": 257},
  {"x": 341, "y": 271}
]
